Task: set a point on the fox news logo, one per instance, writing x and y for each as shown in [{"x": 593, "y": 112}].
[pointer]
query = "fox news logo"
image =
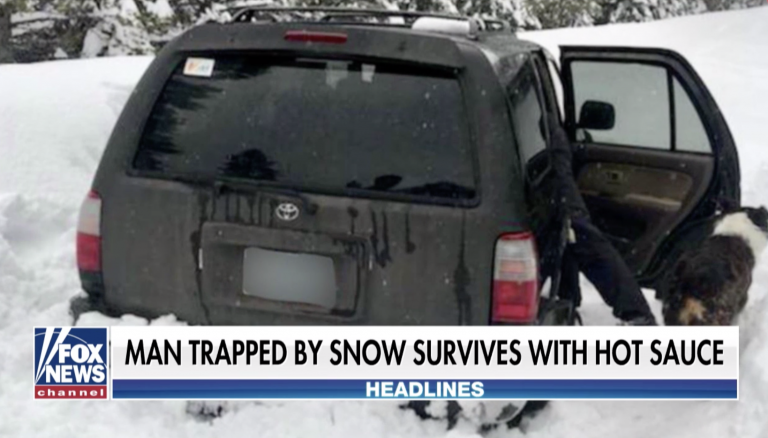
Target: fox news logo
[{"x": 71, "y": 363}]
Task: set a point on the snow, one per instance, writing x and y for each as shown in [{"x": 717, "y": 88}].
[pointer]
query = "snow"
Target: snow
[
  {"x": 160, "y": 8},
  {"x": 54, "y": 121},
  {"x": 441, "y": 25}
]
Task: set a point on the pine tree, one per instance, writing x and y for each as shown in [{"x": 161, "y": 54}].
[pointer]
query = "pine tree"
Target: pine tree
[
  {"x": 722, "y": 5},
  {"x": 6, "y": 50},
  {"x": 629, "y": 11},
  {"x": 121, "y": 28},
  {"x": 554, "y": 13}
]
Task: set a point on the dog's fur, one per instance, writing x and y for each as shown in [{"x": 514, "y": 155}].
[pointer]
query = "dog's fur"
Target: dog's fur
[{"x": 709, "y": 284}]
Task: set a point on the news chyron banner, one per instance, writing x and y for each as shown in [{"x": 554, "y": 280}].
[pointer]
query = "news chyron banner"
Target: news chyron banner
[{"x": 352, "y": 363}]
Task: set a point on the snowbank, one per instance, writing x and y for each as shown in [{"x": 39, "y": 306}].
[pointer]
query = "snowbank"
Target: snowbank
[{"x": 54, "y": 121}]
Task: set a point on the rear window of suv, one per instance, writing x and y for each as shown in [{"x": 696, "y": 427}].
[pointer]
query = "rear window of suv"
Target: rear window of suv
[{"x": 313, "y": 124}]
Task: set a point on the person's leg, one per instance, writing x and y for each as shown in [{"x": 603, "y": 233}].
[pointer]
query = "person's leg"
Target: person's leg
[{"x": 602, "y": 264}]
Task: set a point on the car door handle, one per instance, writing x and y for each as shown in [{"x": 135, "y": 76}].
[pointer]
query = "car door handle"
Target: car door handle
[{"x": 614, "y": 176}]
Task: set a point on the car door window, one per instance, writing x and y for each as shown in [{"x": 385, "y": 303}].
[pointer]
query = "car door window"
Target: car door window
[
  {"x": 639, "y": 96},
  {"x": 548, "y": 89},
  {"x": 527, "y": 113},
  {"x": 652, "y": 109},
  {"x": 690, "y": 133},
  {"x": 557, "y": 83}
]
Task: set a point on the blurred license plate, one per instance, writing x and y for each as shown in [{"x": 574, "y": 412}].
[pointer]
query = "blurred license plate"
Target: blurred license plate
[{"x": 291, "y": 277}]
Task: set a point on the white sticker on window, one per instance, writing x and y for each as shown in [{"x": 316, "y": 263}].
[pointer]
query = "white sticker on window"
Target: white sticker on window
[
  {"x": 368, "y": 71},
  {"x": 200, "y": 67},
  {"x": 335, "y": 72}
]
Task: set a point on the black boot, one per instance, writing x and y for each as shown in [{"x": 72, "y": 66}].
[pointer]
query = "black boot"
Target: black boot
[{"x": 640, "y": 321}]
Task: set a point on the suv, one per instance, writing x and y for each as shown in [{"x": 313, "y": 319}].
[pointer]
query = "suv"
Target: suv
[{"x": 387, "y": 168}]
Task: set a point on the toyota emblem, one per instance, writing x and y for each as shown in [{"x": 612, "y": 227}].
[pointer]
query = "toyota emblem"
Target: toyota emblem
[{"x": 287, "y": 211}]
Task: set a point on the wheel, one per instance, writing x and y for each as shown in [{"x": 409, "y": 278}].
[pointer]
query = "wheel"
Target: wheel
[
  {"x": 88, "y": 303},
  {"x": 79, "y": 305}
]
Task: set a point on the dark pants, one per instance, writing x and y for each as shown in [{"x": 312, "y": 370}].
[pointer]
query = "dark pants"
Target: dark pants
[{"x": 594, "y": 255}]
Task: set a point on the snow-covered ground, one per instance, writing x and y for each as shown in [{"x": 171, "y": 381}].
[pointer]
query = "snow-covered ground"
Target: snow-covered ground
[{"x": 54, "y": 121}]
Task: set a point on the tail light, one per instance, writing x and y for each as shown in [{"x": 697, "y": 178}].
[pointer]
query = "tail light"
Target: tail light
[
  {"x": 515, "y": 280},
  {"x": 315, "y": 37},
  {"x": 89, "y": 234}
]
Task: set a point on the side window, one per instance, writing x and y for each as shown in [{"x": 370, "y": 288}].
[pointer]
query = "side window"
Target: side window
[
  {"x": 552, "y": 83},
  {"x": 557, "y": 80},
  {"x": 550, "y": 99},
  {"x": 639, "y": 96},
  {"x": 527, "y": 114},
  {"x": 690, "y": 133},
  {"x": 651, "y": 108}
]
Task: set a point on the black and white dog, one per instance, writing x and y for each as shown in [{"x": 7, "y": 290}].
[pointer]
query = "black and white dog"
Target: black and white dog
[{"x": 709, "y": 284}]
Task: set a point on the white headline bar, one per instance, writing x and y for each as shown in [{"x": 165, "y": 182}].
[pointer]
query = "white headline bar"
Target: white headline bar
[{"x": 498, "y": 352}]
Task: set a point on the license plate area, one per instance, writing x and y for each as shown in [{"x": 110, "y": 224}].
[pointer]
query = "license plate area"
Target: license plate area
[
  {"x": 304, "y": 279},
  {"x": 246, "y": 267}
]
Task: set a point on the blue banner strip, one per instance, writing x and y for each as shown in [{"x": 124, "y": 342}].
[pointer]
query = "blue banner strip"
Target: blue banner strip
[{"x": 435, "y": 389}]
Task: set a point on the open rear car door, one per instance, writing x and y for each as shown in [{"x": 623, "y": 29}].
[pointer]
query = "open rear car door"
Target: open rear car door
[{"x": 653, "y": 154}]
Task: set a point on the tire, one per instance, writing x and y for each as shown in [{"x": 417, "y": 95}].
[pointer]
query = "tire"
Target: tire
[
  {"x": 79, "y": 305},
  {"x": 87, "y": 303}
]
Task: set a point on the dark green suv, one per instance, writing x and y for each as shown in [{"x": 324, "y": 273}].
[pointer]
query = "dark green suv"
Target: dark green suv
[{"x": 314, "y": 166}]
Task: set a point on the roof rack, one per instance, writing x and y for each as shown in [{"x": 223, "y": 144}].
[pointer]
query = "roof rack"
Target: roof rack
[{"x": 380, "y": 17}]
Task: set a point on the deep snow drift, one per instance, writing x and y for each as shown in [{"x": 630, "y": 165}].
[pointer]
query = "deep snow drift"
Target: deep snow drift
[{"x": 54, "y": 121}]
